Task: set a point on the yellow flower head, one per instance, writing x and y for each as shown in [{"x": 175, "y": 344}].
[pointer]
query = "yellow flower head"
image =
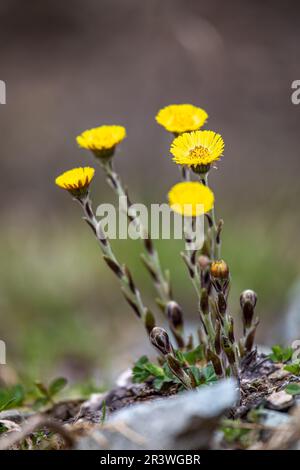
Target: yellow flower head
[
  {"x": 199, "y": 148},
  {"x": 178, "y": 118},
  {"x": 102, "y": 140},
  {"x": 76, "y": 181},
  {"x": 191, "y": 198}
]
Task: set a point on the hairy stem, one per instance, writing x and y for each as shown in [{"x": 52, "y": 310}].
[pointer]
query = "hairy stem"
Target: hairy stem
[
  {"x": 215, "y": 247},
  {"x": 130, "y": 291},
  {"x": 150, "y": 257}
]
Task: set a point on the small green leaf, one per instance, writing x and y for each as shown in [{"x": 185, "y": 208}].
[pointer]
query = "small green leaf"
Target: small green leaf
[
  {"x": 209, "y": 374},
  {"x": 42, "y": 388},
  {"x": 11, "y": 397},
  {"x": 139, "y": 371},
  {"x": 293, "y": 389},
  {"x": 57, "y": 385},
  {"x": 204, "y": 376},
  {"x": 235, "y": 434},
  {"x": 5, "y": 404},
  {"x": 159, "y": 382},
  {"x": 180, "y": 356},
  {"x": 280, "y": 354},
  {"x": 3, "y": 428},
  {"x": 293, "y": 368},
  {"x": 40, "y": 403},
  {"x": 155, "y": 370},
  {"x": 194, "y": 356},
  {"x": 144, "y": 369}
]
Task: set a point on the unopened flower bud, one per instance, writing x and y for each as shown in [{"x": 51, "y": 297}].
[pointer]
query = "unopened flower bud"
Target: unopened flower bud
[
  {"x": 204, "y": 262},
  {"x": 248, "y": 296},
  {"x": 248, "y": 301},
  {"x": 160, "y": 339},
  {"x": 219, "y": 270},
  {"x": 175, "y": 315}
]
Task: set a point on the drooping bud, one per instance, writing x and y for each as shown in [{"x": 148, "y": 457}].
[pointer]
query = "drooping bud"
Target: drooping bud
[
  {"x": 248, "y": 301},
  {"x": 160, "y": 339},
  {"x": 175, "y": 315},
  {"x": 219, "y": 270}
]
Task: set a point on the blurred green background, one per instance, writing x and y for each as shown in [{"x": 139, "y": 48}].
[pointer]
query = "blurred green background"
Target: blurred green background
[{"x": 74, "y": 65}]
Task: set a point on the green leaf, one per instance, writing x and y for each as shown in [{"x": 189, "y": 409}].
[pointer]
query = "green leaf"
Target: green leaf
[
  {"x": 204, "y": 376},
  {"x": 194, "y": 356},
  {"x": 280, "y": 354},
  {"x": 209, "y": 374},
  {"x": 235, "y": 434},
  {"x": 169, "y": 374},
  {"x": 40, "y": 403},
  {"x": 180, "y": 356},
  {"x": 42, "y": 388},
  {"x": 5, "y": 404},
  {"x": 294, "y": 368},
  {"x": 57, "y": 385},
  {"x": 293, "y": 389},
  {"x": 154, "y": 370},
  {"x": 139, "y": 371},
  {"x": 3, "y": 428},
  {"x": 144, "y": 369},
  {"x": 11, "y": 397}
]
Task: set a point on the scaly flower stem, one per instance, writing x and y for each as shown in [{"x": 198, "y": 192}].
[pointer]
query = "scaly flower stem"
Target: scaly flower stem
[
  {"x": 190, "y": 259},
  {"x": 150, "y": 257},
  {"x": 215, "y": 247},
  {"x": 185, "y": 173},
  {"x": 131, "y": 293}
]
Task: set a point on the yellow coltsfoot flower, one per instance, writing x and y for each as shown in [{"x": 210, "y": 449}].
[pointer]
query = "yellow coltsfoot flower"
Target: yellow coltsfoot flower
[
  {"x": 76, "y": 181},
  {"x": 191, "y": 198},
  {"x": 179, "y": 118},
  {"x": 102, "y": 140},
  {"x": 197, "y": 150}
]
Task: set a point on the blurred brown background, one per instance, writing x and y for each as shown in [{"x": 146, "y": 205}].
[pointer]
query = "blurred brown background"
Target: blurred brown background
[{"x": 73, "y": 65}]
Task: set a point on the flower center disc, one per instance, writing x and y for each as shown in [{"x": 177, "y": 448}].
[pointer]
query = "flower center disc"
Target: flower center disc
[{"x": 199, "y": 152}]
